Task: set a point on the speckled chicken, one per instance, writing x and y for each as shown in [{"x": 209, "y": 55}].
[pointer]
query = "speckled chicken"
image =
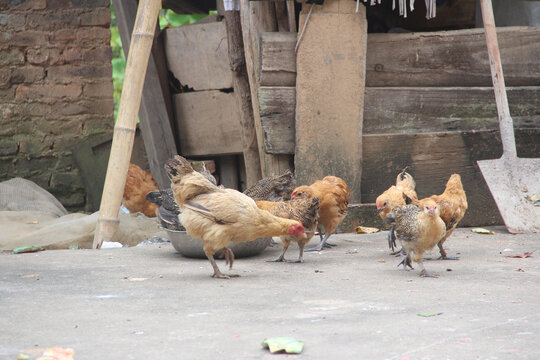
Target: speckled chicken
[
  {"x": 273, "y": 188},
  {"x": 418, "y": 230},
  {"x": 452, "y": 206},
  {"x": 303, "y": 210},
  {"x": 393, "y": 197}
]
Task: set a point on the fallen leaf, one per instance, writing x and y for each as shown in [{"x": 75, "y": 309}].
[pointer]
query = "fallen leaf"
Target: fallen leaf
[
  {"x": 280, "y": 344},
  {"x": 27, "y": 249},
  {"x": 522, "y": 256},
  {"x": 381, "y": 260},
  {"x": 33, "y": 222},
  {"x": 30, "y": 275},
  {"x": 366, "y": 230},
  {"x": 482, "y": 231},
  {"x": 429, "y": 314}
]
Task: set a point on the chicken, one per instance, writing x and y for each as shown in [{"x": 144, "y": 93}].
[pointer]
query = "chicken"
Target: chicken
[
  {"x": 168, "y": 210},
  {"x": 452, "y": 206},
  {"x": 303, "y": 210},
  {"x": 418, "y": 230},
  {"x": 333, "y": 195},
  {"x": 392, "y": 197},
  {"x": 218, "y": 216},
  {"x": 139, "y": 183},
  {"x": 273, "y": 188}
]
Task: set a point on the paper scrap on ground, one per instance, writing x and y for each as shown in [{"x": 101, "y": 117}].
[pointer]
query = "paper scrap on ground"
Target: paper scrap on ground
[
  {"x": 482, "y": 231},
  {"x": 366, "y": 230},
  {"x": 287, "y": 344}
]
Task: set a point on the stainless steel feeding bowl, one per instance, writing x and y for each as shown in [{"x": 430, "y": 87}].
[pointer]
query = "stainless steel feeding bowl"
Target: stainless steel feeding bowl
[{"x": 193, "y": 248}]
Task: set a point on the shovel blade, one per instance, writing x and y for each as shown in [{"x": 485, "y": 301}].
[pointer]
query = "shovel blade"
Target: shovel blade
[{"x": 510, "y": 182}]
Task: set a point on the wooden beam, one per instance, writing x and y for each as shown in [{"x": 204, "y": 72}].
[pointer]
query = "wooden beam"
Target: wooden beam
[
  {"x": 198, "y": 57},
  {"x": 443, "y": 58},
  {"x": 407, "y": 110},
  {"x": 242, "y": 95},
  {"x": 155, "y": 118},
  {"x": 208, "y": 124},
  {"x": 258, "y": 17},
  {"x": 277, "y": 106}
]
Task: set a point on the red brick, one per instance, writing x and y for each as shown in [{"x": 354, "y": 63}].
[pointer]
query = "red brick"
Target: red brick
[
  {"x": 5, "y": 75},
  {"x": 97, "y": 17},
  {"x": 27, "y": 4},
  {"x": 27, "y": 74},
  {"x": 65, "y": 35},
  {"x": 37, "y": 56},
  {"x": 11, "y": 57},
  {"x": 38, "y": 109},
  {"x": 72, "y": 55},
  {"x": 72, "y": 108},
  {"x": 99, "y": 54},
  {"x": 91, "y": 3},
  {"x": 28, "y": 38},
  {"x": 66, "y": 73},
  {"x": 51, "y": 91},
  {"x": 51, "y": 21},
  {"x": 7, "y": 94},
  {"x": 99, "y": 89},
  {"x": 12, "y": 20},
  {"x": 92, "y": 36}
]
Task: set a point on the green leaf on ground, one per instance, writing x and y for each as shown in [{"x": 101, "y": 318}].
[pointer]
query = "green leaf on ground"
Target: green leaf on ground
[
  {"x": 287, "y": 344},
  {"x": 429, "y": 314},
  {"x": 27, "y": 249}
]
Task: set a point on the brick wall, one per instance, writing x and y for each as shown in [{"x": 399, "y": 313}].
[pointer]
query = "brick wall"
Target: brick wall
[{"x": 55, "y": 89}]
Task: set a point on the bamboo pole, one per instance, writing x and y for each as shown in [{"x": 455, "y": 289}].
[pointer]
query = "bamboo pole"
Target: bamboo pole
[{"x": 124, "y": 130}]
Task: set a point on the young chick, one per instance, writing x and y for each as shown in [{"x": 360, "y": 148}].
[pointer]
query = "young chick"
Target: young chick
[
  {"x": 303, "y": 210},
  {"x": 393, "y": 197},
  {"x": 452, "y": 206},
  {"x": 273, "y": 188},
  {"x": 418, "y": 230},
  {"x": 333, "y": 195}
]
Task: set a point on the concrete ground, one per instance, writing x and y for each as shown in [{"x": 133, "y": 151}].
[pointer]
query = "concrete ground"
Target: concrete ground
[{"x": 350, "y": 302}]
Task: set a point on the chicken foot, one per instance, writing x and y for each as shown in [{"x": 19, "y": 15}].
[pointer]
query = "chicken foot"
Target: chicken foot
[
  {"x": 281, "y": 258},
  {"x": 443, "y": 253},
  {"x": 406, "y": 262},
  {"x": 323, "y": 244},
  {"x": 424, "y": 273},
  {"x": 217, "y": 273}
]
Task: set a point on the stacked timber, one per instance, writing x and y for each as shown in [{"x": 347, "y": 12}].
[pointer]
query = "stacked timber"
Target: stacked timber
[{"x": 428, "y": 104}]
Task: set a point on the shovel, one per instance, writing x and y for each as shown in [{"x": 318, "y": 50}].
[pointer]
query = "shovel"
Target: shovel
[{"x": 510, "y": 179}]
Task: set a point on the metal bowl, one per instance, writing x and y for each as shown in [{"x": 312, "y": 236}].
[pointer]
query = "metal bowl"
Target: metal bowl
[{"x": 193, "y": 248}]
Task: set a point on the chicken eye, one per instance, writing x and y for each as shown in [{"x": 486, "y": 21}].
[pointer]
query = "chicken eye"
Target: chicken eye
[{"x": 384, "y": 204}]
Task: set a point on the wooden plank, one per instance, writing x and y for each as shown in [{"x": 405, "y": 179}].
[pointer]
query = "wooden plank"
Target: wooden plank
[
  {"x": 277, "y": 106},
  {"x": 208, "y": 123},
  {"x": 258, "y": 17},
  {"x": 407, "y": 110},
  {"x": 444, "y": 58},
  {"x": 330, "y": 94},
  {"x": 198, "y": 57},
  {"x": 433, "y": 157},
  {"x": 240, "y": 80},
  {"x": 155, "y": 118},
  {"x": 278, "y": 59},
  {"x": 413, "y": 110}
]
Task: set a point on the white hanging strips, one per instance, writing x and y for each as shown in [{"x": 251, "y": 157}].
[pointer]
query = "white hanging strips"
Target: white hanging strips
[{"x": 411, "y": 5}]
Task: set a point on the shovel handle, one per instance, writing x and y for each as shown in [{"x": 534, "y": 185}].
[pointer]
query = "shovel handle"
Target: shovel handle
[{"x": 506, "y": 125}]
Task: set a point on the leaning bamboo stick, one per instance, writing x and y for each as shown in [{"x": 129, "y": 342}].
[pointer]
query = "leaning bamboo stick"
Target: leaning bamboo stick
[{"x": 124, "y": 130}]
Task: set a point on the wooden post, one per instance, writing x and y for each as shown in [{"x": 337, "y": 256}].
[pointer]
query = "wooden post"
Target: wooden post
[
  {"x": 242, "y": 95},
  {"x": 124, "y": 130},
  {"x": 258, "y": 17},
  {"x": 156, "y": 114}
]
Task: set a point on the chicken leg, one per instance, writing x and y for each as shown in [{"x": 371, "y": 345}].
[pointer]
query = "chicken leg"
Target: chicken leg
[
  {"x": 217, "y": 273},
  {"x": 323, "y": 244},
  {"x": 281, "y": 257},
  {"x": 424, "y": 273}
]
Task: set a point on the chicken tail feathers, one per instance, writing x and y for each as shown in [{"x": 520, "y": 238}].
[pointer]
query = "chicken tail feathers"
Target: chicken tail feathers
[
  {"x": 204, "y": 211},
  {"x": 155, "y": 197},
  {"x": 178, "y": 167}
]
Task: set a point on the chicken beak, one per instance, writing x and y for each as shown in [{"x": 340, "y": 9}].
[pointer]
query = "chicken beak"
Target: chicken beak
[
  {"x": 379, "y": 210},
  {"x": 303, "y": 236}
]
